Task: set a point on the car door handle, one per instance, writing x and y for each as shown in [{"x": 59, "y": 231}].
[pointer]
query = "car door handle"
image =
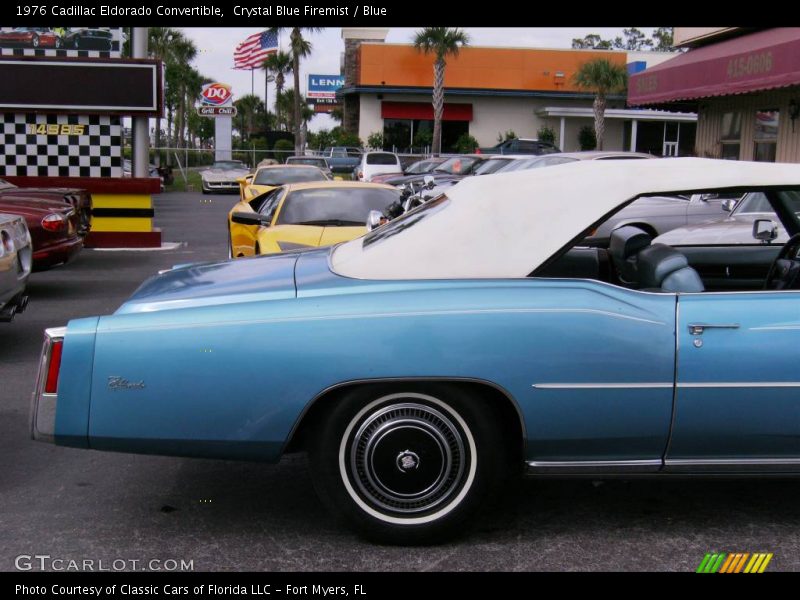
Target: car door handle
[{"x": 699, "y": 328}]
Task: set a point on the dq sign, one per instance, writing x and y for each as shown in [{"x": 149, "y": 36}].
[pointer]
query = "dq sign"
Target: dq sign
[{"x": 216, "y": 94}]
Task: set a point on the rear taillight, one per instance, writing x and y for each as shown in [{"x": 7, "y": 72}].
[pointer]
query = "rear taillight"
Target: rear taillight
[
  {"x": 361, "y": 174},
  {"x": 54, "y": 366},
  {"x": 54, "y": 222}
]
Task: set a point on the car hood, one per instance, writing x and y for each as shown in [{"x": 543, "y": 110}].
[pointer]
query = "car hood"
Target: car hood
[
  {"x": 222, "y": 174},
  {"x": 268, "y": 277},
  {"x": 733, "y": 230}
]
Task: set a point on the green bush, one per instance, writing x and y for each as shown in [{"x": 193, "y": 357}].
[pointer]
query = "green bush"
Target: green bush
[
  {"x": 546, "y": 134},
  {"x": 508, "y": 135},
  {"x": 466, "y": 144},
  {"x": 282, "y": 149},
  {"x": 587, "y": 138},
  {"x": 423, "y": 138},
  {"x": 375, "y": 140}
]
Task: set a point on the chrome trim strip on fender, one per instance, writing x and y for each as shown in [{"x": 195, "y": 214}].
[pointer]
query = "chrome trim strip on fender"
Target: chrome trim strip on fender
[
  {"x": 600, "y": 386},
  {"x": 731, "y": 464},
  {"x": 742, "y": 384},
  {"x": 629, "y": 386},
  {"x": 550, "y": 466}
]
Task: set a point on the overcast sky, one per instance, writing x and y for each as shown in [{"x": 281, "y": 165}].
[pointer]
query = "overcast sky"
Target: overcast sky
[{"x": 216, "y": 46}]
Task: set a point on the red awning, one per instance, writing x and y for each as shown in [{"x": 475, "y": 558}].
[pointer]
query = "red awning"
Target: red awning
[
  {"x": 424, "y": 111},
  {"x": 759, "y": 61}
]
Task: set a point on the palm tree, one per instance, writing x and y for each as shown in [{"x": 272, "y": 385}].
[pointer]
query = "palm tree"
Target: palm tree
[
  {"x": 443, "y": 42},
  {"x": 161, "y": 44},
  {"x": 251, "y": 107},
  {"x": 300, "y": 48},
  {"x": 280, "y": 64},
  {"x": 184, "y": 52},
  {"x": 602, "y": 77}
]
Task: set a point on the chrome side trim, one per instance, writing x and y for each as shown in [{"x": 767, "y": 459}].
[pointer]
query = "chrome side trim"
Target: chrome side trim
[
  {"x": 628, "y": 386},
  {"x": 583, "y": 466},
  {"x": 742, "y": 384},
  {"x": 600, "y": 386},
  {"x": 732, "y": 464}
]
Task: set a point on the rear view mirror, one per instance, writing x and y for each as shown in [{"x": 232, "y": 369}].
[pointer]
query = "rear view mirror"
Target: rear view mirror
[
  {"x": 765, "y": 230},
  {"x": 429, "y": 182},
  {"x": 375, "y": 219},
  {"x": 246, "y": 218},
  {"x": 729, "y": 204}
]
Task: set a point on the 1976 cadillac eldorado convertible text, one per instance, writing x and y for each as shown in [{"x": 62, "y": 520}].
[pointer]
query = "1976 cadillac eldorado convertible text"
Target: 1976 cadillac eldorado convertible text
[{"x": 479, "y": 334}]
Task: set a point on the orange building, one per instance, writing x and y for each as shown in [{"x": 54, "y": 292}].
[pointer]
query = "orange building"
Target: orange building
[{"x": 489, "y": 91}]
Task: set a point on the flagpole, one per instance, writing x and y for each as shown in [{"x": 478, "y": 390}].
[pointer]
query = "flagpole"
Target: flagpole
[{"x": 252, "y": 82}]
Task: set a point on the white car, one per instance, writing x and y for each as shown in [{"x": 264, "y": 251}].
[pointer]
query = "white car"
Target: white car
[
  {"x": 223, "y": 176},
  {"x": 378, "y": 163}
]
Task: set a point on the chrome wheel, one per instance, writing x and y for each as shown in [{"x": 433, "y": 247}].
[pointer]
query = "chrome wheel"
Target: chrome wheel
[{"x": 407, "y": 458}]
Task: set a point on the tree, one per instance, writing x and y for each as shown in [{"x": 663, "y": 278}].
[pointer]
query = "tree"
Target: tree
[
  {"x": 280, "y": 64},
  {"x": 162, "y": 44},
  {"x": 591, "y": 42},
  {"x": 300, "y": 48},
  {"x": 663, "y": 40},
  {"x": 634, "y": 40},
  {"x": 602, "y": 77},
  {"x": 250, "y": 107},
  {"x": 375, "y": 140},
  {"x": 442, "y": 42}
]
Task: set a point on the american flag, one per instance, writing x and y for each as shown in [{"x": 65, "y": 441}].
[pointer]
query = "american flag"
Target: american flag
[{"x": 250, "y": 53}]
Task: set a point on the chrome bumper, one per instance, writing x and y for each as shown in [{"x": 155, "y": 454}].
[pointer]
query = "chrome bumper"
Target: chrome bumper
[{"x": 43, "y": 405}]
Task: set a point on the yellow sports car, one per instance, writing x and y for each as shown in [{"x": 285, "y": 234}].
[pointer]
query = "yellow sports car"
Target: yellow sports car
[
  {"x": 269, "y": 177},
  {"x": 304, "y": 215}
]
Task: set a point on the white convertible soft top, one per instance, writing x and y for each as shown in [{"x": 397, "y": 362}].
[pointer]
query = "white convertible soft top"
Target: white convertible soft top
[{"x": 506, "y": 225}]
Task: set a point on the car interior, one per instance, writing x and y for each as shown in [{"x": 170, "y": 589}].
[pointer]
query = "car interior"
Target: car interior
[{"x": 629, "y": 258}]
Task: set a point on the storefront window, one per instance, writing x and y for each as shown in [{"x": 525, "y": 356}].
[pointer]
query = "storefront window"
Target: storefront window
[
  {"x": 405, "y": 135},
  {"x": 766, "y": 135},
  {"x": 731, "y": 135}
]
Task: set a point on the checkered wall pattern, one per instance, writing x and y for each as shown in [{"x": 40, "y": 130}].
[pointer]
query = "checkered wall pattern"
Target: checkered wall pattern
[
  {"x": 113, "y": 52},
  {"x": 61, "y": 145}
]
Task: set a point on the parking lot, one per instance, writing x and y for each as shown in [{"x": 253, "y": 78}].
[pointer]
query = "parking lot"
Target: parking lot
[{"x": 74, "y": 504}]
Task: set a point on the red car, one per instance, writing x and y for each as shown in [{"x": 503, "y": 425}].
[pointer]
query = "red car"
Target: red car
[
  {"x": 54, "y": 229},
  {"x": 34, "y": 37},
  {"x": 80, "y": 200}
]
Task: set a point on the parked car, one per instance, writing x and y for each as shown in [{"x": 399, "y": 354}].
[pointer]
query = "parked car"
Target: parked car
[
  {"x": 342, "y": 159},
  {"x": 377, "y": 163},
  {"x": 305, "y": 215},
  {"x": 420, "y": 167},
  {"x": 88, "y": 38},
  {"x": 314, "y": 161},
  {"x": 54, "y": 228},
  {"x": 471, "y": 338},
  {"x": 521, "y": 146},
  {"x": 15, "y": 265},
  {"x": 163, "y": 173},
  {"x": 453, "y": 169},
  {"x": 32, "y": 37},
  {"x": 549, "y": 160},
  {"x": 723, "y": 270},
  {"x": 269, "y": 177},
  {"x": 80, "y": 200},
  {"x": 223, "y": 176}
]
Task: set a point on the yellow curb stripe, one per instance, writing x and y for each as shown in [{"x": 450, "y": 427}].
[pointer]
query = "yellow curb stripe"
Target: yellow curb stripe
[
  {"x": 757, "y": 564},
  {"x": 728, "y": 563},
  {"x": 765, "y": 563},
  {"x": 749, "y": 566},
  {"x": 741, "y": 562}
]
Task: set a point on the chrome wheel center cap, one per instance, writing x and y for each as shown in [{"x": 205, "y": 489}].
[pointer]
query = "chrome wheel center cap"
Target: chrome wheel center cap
[{"x": 407, "y": 461}]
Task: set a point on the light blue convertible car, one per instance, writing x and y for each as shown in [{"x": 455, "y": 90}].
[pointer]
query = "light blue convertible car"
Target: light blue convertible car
[{"x": 480, "y": 334}]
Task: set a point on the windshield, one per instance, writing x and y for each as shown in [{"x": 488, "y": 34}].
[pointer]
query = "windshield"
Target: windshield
[
  {"x": 228, "y": 165},
  {"x": 279, "y": 176},
  {"x": 457, "y": 165},
  {"x": 423, "y": 166},
  {"x": 307, "y": 160},
  {"x": 492, "y": 165},
  {"x": 339, "y": 206},
  {"x": 382, "y": 158},
  {"x": 757, "y": 203}
]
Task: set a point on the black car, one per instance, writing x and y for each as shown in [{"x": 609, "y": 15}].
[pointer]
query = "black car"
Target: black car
[{"x": 88, "y": 39}]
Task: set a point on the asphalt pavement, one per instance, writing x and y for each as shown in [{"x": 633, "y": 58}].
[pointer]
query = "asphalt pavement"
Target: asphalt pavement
[{"x": 85, "y": 505}]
